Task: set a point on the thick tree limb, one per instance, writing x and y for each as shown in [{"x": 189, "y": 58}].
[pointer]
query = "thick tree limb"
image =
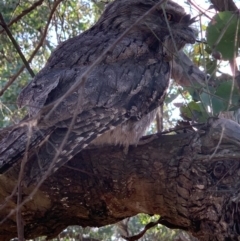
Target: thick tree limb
[
  {"x": 191, "y": 180},
  {"x": 224, "y": 5}
]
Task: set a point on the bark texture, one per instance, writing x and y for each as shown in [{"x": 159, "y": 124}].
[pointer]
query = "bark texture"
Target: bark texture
[
  {"x": 224, "y": 5},
  {"x": 190, "y": 179}
]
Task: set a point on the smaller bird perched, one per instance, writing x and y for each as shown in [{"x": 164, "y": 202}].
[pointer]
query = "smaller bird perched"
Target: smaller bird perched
[{"x": 76, "y": 98}]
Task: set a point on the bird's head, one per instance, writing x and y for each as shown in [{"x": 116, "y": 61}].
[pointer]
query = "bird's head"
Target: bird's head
[{"x": 166, "y": 20}]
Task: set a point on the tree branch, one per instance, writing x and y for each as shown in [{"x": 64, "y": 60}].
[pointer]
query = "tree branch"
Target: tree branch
[
  {"x": 15, "y": 44},
  {"x": 11, "y": 81},
  {"x": 175, "y": 176},
  {"x": 24, "y": 12},
  {"x": 224, "y": 5}
]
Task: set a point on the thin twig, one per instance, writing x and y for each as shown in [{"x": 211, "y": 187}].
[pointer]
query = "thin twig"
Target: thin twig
[
  {"x": 15, "y": 44},
  {"x": 81, "y": 171},
  {"x": 13, "y": 78},
  {"x": 17, "y": 209},
  {"x": 24, "y": 12},
  {"x": 19, "y": 218},
  {"x": 200, "y": 10},
  {"x": 227, "y": 24},
  {"x": 20, "y": 223}
]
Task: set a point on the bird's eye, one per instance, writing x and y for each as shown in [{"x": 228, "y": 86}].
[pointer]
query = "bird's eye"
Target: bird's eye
[{"x": 169, "y": 17}]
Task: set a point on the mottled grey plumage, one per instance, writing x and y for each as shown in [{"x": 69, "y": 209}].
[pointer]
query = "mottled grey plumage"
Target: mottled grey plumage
[{"x": 116, "y": 97}]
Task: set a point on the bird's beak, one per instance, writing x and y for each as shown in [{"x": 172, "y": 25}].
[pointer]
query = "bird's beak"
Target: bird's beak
[
  {"x": 188, "y": 34},
  {"x": 191, "y": 35}
]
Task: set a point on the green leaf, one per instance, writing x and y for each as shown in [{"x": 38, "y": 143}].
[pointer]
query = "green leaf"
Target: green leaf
[
  {"x": 194, "y": 111},
  {"x": 224, "y": 25},
  {"x": 206, "y": 96},
  {"x": 226, "y": 97}
]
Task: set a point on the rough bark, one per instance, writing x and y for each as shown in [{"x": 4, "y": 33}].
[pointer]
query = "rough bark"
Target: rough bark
[{"x": 190, "y": 179}]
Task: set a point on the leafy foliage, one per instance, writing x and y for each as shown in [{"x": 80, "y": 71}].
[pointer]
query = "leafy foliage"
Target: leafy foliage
[
  {"x": 222, "y": 43},
  {"x": 223, "y": 34}
]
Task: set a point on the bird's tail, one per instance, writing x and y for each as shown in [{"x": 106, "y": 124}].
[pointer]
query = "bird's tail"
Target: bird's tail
[
  {"x": 61, "y": 146},
  {"x": 46, "y": 150}
]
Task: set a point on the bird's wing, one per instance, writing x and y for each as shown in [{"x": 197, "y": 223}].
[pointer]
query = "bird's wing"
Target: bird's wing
[
  {"x": 112, "y": 93},
  {"x": 68, "y": 62},
  {"x": 129, "y": 82}
]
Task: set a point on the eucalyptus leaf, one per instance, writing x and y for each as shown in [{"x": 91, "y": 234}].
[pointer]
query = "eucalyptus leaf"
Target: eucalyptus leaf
[{"x": 223, "y": 34}]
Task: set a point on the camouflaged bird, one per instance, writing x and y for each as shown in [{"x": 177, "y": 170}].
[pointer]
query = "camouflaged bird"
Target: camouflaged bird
[{"x": 102, "y": 86}]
